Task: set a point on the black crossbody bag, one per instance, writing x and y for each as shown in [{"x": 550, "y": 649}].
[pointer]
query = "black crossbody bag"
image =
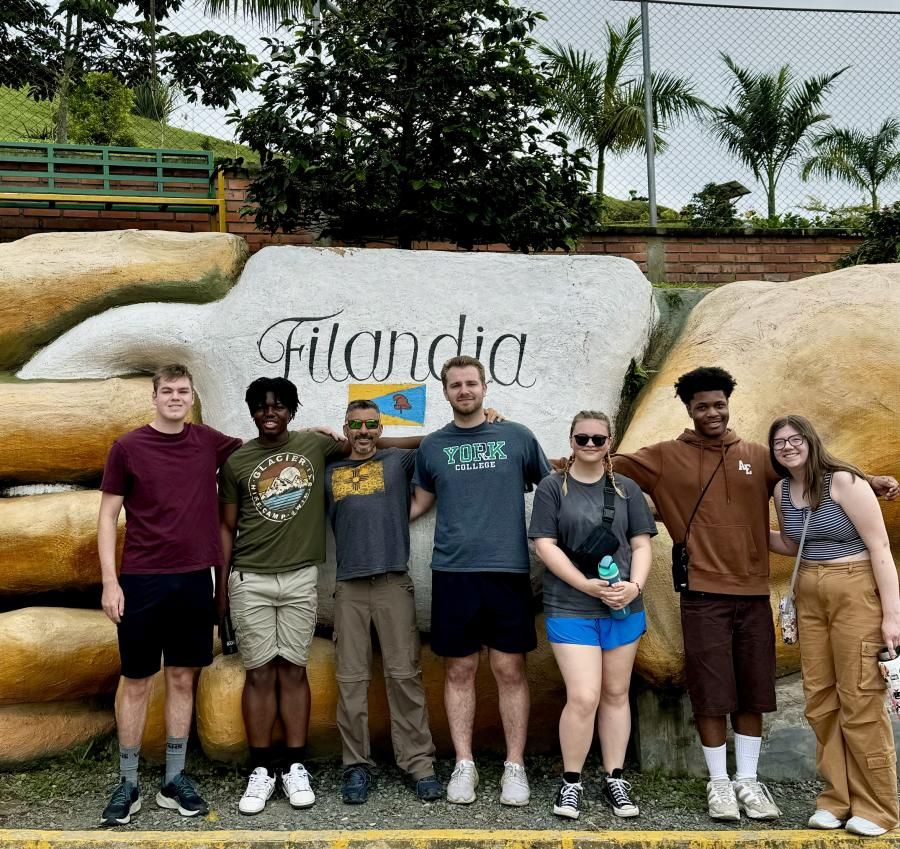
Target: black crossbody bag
[
  {"x": 601, "y": 541},
  {"x": 679, "y": 549}
]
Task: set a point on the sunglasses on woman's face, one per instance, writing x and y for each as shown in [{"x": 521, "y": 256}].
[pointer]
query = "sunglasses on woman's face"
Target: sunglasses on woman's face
[{"x": 582, "y": 439}]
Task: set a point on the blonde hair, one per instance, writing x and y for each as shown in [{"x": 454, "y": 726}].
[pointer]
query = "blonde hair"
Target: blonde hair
[{"x": 593, "y": 416}]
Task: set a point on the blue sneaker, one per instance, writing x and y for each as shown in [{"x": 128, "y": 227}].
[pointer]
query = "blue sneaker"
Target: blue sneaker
[
  {"x": 181, "y": 795},
  {"x": 125, "y": 801},
  {"x": 356, "y": 784},
  {"x": 429, "y": 788}
]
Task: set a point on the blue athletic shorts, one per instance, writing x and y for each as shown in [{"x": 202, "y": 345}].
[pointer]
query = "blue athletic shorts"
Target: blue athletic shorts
[{"x": 606, "y": 632}]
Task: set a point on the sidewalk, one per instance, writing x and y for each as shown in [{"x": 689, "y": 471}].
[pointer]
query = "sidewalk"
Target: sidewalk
[{"x": 440, "y": 839}]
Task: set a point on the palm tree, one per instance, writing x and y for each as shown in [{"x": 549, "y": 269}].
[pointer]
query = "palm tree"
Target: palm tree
[
  {"x": 270, "y": 12},
  {"x": 770, "y": 116},
  {"x": 864, "y": 160},
  {"x": 601, "y": 101}
]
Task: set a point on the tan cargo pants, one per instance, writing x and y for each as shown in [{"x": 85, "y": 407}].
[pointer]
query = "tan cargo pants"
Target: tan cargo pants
[
  {"x": 839, "y": 618},
  {"x": 387, "y": 601}
]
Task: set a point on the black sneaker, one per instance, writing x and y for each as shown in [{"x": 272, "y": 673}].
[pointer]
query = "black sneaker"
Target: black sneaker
[
  {"x": 125, "y": 801},
  {"x": 355, "y": 785},
  {"x": 181, "y": 795},
  {"x": 615, "y": 791},
  {"x": 429, "y": 789},
  {"x": 568, "y": 800}
]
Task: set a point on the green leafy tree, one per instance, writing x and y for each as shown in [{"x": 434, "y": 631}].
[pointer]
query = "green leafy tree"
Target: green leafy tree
[
  {"x": 712, "y": 206},
  {"x": 415, "y": 119},
  {"x": 601, "y": 100},
  {"x": 769, "y": 118},
  {"x": 864, "y": 160},
  {"x": 51, "y": 52},
  {"x": 882, "y": 239}
]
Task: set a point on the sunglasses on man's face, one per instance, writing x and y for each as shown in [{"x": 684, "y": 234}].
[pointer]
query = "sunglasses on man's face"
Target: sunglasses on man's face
[
  {"x": 582, "y": 439},
  {"x": 356, "y": 424}
]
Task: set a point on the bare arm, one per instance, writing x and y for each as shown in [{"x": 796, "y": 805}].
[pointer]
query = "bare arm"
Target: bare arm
[
  {"x": 884, "y": 486},
  {"x": 861, "y": 506},
  {"x": 422, "y": 501},
  {"x": 554, "y": 558},
  {"x": 112, "y": 600},
  {"x": 779, "y": 542},
  {"x": 227, "y": 523}
]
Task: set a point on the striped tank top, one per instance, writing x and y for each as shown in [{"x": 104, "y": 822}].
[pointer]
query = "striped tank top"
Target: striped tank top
[{"x": 830, "y": 533}]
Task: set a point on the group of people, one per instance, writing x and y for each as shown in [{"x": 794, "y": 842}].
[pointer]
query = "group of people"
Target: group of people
[{"x": 709, "y": 487}]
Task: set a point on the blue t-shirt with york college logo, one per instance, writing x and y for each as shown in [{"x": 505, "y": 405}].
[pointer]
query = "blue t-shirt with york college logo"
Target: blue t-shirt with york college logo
[{"x": 479, "y": 475}]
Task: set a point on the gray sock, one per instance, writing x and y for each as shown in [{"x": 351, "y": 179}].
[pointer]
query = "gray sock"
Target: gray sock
[
  {"x": 176, "y": 749},
  {"x": 128, "y": 763}
]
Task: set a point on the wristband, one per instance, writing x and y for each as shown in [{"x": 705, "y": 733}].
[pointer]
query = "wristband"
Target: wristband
[{"x": 640, "y": 591}]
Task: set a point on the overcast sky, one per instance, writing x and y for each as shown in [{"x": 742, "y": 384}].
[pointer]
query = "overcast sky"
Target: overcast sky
[{"x": 687, "y": 39}]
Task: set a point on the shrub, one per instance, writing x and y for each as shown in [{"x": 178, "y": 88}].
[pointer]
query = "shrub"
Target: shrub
[
  {"x": 100, "y": 111},
  {"x": 882, "y": 239},
  {"x": 712, "y": 206}
]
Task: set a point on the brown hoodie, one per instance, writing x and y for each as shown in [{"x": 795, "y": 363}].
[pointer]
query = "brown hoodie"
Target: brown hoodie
[{"x": 728, "y": 544}]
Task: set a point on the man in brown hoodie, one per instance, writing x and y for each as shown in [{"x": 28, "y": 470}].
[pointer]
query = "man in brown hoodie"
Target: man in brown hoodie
[{"x": 726, "y": 620}]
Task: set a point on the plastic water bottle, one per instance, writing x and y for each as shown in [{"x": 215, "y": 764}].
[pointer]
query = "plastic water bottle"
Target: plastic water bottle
[
  {"x": 608, "y": 571},
  {"x": 890, "y": 671}
]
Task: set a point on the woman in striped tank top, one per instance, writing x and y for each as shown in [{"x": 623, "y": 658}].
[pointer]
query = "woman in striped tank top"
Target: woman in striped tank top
[{"x": 848, "y": 608}]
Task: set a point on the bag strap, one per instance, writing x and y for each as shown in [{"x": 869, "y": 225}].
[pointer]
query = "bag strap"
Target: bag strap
[
  {"x": 609, "y": 502},
  {"x": 806, "y": 516},
  {"x": 687, "y": 528}
]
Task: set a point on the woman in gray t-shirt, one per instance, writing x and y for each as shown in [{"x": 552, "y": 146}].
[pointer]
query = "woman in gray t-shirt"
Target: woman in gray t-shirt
[{"x": 593, "y": 642}]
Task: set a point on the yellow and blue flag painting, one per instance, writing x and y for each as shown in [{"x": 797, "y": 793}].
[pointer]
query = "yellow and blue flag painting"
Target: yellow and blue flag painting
[{"x": 400, "y": 403}]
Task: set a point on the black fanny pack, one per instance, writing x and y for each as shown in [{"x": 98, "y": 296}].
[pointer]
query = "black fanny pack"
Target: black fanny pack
[{"x": 601, "y": 541}]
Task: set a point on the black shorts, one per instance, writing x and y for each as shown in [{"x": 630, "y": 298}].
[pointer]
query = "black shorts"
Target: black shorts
[
  {"x": 474, "y": 609},
  {"x": 169, "y": 615},
  {"x": 729, "y": 653}
]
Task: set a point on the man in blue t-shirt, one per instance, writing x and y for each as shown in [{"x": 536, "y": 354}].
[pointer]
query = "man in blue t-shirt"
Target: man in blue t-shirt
[{"x": 481, "y": 589}]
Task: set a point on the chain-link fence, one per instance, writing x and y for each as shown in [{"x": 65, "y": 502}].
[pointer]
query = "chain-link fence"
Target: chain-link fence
[{"x": 686, "y": 40}]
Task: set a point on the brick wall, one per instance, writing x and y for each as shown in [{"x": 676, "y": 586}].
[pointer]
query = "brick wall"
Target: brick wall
[{"x": 676, "y": 256}]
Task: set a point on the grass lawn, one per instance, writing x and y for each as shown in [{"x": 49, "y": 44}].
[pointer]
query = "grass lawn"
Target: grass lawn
[{"x": 22, "y": 119}]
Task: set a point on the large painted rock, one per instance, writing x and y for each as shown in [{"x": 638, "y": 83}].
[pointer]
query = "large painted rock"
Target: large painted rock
[
  {"x": 57, "y": 279},
  {"x": 221, "y": 728},
  {"x": 380, "y": 323},
  {"x": 50, "y": 654},
  {"x": 29, "y": 732},
  {"x": 825, "y": 347},
  {"x": 82, "y": 419},
  {"x": 50, "y": 542}
]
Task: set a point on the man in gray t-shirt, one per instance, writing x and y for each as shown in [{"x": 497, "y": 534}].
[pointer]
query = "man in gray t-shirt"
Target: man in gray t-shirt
[
  {"x": 368, "y": 507},
  {"x": 481, "y": 590}
]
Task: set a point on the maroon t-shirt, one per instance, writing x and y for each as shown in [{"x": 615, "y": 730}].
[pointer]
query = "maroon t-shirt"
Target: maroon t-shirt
[{"x": 171, "y": 505}]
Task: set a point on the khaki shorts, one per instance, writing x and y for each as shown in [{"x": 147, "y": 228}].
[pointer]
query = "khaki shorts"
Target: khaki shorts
[{"x": 274, "y": 615}]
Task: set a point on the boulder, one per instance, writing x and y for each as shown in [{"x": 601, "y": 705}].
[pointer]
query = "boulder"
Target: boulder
[
  {"x": 221, "y": 727},
  {"x": 50, "y": 542},
  {"x": 297, "y": 312},
  {"x": 825, "y": 347},
  {"x": 82, "y": 420},
  {"x": 58, "y": 279},
  {"x": 32, "y": 731},
  {"x": 51, "y": 654}
]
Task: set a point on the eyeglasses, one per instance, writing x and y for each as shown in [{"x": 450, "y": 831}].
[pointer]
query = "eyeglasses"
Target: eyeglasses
[
  {"x": 795, "y": 441},
  {"x": 356, "y": 424},
  {"x": 582, "y": 439}
]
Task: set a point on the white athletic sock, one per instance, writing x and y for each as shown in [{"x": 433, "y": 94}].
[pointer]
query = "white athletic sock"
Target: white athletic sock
[
  {"x": 746, "y": 753},
  {"x": 715, "y": 761}
]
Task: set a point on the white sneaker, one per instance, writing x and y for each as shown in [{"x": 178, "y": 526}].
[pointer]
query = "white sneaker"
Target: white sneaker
[
  {"x": 866, "y": 828},
  {"x": 721, "y": 801},
  {"x": 756, "y": 800},
  {"x": 296, "y": 787},
  {"x": 824, "y": 819},
  {"x": 462, "y": 784},
  {"x": 259, "y": 790},
  {"x": 514, "y": 789}
]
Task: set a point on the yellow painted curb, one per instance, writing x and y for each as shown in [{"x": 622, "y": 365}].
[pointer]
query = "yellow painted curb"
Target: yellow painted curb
[{"x": 440, "y": 839}]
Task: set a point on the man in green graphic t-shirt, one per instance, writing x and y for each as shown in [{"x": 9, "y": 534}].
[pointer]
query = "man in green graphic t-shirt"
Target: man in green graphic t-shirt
[{"x": 272, "y": 511}]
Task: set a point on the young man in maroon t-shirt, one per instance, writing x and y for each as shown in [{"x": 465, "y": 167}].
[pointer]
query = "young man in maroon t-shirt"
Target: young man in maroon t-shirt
[{"x": 164, "y": 475}]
